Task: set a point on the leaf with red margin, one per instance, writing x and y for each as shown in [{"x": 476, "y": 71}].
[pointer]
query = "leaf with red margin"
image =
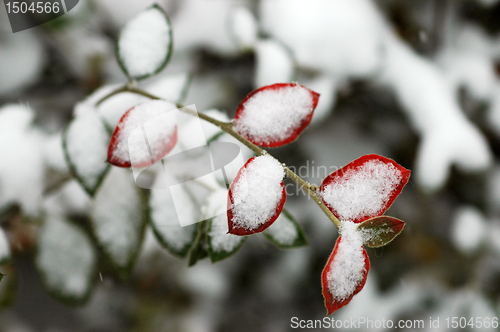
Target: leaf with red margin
[
  {"x": 379, "y": 231},
  {"x": 275, "y": 115},
  {"x": 364, "y": 188},
  {"x": 331, "y": 303},
  {"x": 144, "y": 135},
  {"x": 249, "y": 197}
]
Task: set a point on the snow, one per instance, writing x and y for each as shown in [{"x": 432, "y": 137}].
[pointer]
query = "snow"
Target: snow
[
  {"x": 87, "y": 140},
  {"x": 4, "y": 247},
  {"x": 326, "y": 86},
  {"x": 257, "y": 192},
  {"x": 54, "y": 153},
  {"x": 66, "y": 258},
  {"x": 22, "y": 164},
  {"x": 429, "y": 99},
  {"x": 117, "y": 216},
  {"x": 149, "y": 125},
  {"x": 144, "y": 43},
  {"x": 469, "y": 229},
  {"x": 273, "y": 114},
  {"x": 362, "y": 191},
  {"x": 346, "y": 271},
  {"x": 274, "y": 63},
  {"x": 341, "y": 38},
  {"x": 244, "y": 27},
  {"x": 283, "y": 231},
  {"x": 220, "y": 241},
  {"x": 69, "y": 199},
  {"x": 171, "y": 87}
]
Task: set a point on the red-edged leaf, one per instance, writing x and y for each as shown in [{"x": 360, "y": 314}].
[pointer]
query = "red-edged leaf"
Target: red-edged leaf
[
  {"x": 332, "y": 288},
  {"x": 379, "y": 231},
  {"x": 364, "y": 188},
  {"x": 275, "y": 115},
  {"x": 256, "y": 196},
  {"x": 144, "y": 135}
]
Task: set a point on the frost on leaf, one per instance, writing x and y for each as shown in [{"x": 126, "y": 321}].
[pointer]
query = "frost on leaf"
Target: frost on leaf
[
  {"x": 165, "y": 220},
  {"x": 145, "y": 43},
  {"x": 220, "y": 244},
  {"x": 364, "y": 188},
  {"x": 346, "y": 270},
  {"x": 66, "y": 260},
  {"x": 285, "y": 232},
  {"x": 379, "y": 231},
  {"x": 256, "y": 196},
  {"x": 276, "y": 114},
  {"x": 85, "y": 143},
  {"x": 117, "y": 219},
  {"x": 4, "y": 247},
  {"x": 144, "y": 135}
]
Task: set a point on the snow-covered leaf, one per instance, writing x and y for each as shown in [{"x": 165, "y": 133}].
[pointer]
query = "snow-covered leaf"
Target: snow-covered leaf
[
  {"x": 469, "y": 229},
  {"x": 85, "y": 144},
  {"x": 285, "y": 232},
  {"x": 276, "y": 114},
  {"x": 379, "y": 231},
  {"x": 4, "y": 247},
  {"x": 364, "y": 188},
  {"x": 165, "y": 219},
  {"x": 145, "y": 44},
  {"x": 22, "y": 165},
  {"x": 66, "y": 260},
  {"x": 243, "y": 27},
  {"x": 346, "y": 270},
  {"x": 274, "y": 63},
  {"x": 173, "y": 88},
  {"x": 221, "y": 245},
  {"x": 144, "y": 135},
  {"x": 256, "y": 196},
  {"x": 118, "y": 218}
]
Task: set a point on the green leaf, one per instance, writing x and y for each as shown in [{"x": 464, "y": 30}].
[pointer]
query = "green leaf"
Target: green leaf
[
  {"x": 285, "y": 232},
  {"x": 118, "y": 217},
  {"x": 199, "y": 249},
  {"x": 1, "y": 276},
  {"x": 85, "y": 144},
  {"x": 66, "y": 260},
  {"x": 165, "y": 219},
  {"x": 145, "y": 44},
  {"x": 221, "y": 245},
  {"x": 379, "y": 231}
]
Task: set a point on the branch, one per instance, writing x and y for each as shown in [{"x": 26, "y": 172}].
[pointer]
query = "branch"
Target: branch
[{"x": 227, "y": 127}]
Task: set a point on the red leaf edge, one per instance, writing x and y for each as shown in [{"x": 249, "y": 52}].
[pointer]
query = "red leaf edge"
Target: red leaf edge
[
  {"x": 297, "y": 131},
  {"x": 331, "y": 304},
  {"x": 243, "y": 231},
  {"x": 115, "y": 161},
  {"x": 405, "y": 175}
]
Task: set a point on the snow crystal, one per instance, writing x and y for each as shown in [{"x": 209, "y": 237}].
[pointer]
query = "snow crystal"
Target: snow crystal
[
  {"x": 362, "y": 191},
  {"x": 143, "y": 45},
  {"x": 273, "y": 114},
  {"x": 87, "y": 142},
  {"x": 274, "y": 63},
  {"x": 218, "y": 237},
  {"x": 469, "y": 229},
  {"x": 257, "y": 192},
  {"x": 131, "y": 144},
  {"x": 346, "y": 271},
  {"x": 66, "y": 257},
  {"x": 283, "y": 231},
  {"x": 4, "y": 246}
]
